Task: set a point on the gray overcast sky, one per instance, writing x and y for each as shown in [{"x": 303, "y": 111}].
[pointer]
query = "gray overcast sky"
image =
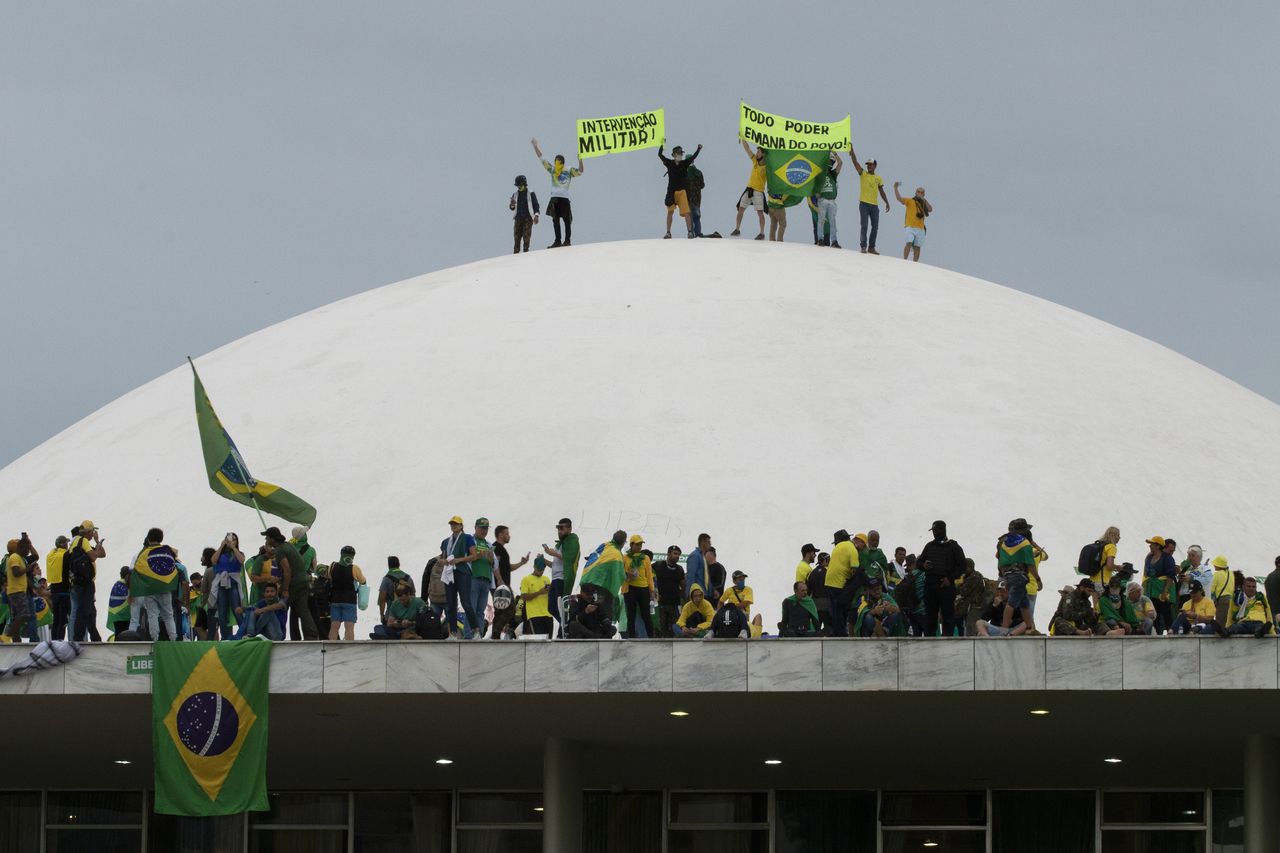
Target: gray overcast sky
[{"x": 174, "y": 176}]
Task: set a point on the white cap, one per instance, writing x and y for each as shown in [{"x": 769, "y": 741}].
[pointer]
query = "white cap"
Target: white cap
[{"x": 299, "y": 532}]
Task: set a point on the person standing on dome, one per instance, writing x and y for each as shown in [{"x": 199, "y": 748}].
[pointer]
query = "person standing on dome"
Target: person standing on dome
[
  {"x": 869, "y": 183},
  {"x": 753, "y": 195},
  {"x": 917, "y": 208},
  {"x": 824, "y": 199},
  {"x": 777, "y": 217},
  {"x": 525, "y": 204},
  {"x": 678, "y": 186},
  {"x": 558, "y": 208}
]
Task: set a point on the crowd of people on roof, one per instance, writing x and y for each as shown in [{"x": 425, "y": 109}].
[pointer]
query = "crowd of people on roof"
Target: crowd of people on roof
[{"x": 469, "y": 590}]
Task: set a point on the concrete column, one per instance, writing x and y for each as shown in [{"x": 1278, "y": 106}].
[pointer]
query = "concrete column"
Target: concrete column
[
  {"x": 1261, "y": 794},
  {"x": 561, "y": 796}
]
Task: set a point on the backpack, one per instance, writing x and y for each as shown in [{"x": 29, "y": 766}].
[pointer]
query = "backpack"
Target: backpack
[
  {"x": 1090, "y": 562},
  {"x": 729, "y": 623},
  {"x": 428, "y": 626},
  {"x": 817, "y": 582},
  {"x": 905, "y": 594},
  {"x": 77, "y": 566}
]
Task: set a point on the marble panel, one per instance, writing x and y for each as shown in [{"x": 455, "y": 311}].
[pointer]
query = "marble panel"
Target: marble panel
[
  {"x": 1160, "y": 663},
  {"x": 101, "y": 669},
  {"x": 636, "y": 667},
  {"x": 1009, "y": 663},
  {"x": 868, "y": 664},
  {"x": 564, "y": 666},
  {"x": 784, "y": 665},
  {"x": 43, "y": 683},
  {"x": 491, "y": 667},
  {"x": 355, "y": 667},
  {"x": 1238, "y": 663},
  {"x": 709, "y": 666},
  {"x": 1083, "y": 663},
  {"x": 422, "y": 667},
  {"x": 297, "y": 668},
  {"x": 936, "y": 664}
]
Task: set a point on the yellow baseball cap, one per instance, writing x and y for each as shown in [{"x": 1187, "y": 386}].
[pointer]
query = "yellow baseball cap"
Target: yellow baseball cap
[
  {"x": 637, "y": 539},
  {"x": 457, "y": 519},
  {"x": 1220, "y": 562},
  {"x": 87, "y": 525},
  {"x": 1156, "y": 540},
  {"x": 861, "y": 536}
]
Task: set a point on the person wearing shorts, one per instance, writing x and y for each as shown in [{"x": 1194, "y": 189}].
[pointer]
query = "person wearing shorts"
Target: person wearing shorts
[
  {"x": 917, "y": 208},
  {"x": 678, "y": 186},
  {"x": 777, "y": 219},
  {"x": 753, "y": 195}
]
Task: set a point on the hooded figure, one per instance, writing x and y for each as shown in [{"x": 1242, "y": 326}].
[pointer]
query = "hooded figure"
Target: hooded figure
[{"x": 696, "y": 616}]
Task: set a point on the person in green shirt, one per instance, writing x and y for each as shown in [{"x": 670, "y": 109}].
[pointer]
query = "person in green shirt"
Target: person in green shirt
[
  {"x": 1116, "y": 611},
  {"x": 824, "y": 200},
  {"x": 402, "y": 616},
  {"x": 481, "y": 573},
  {"x": 1016, "y": 561},
  {"x": 874, "y": 561},
  {"x": 878, "y": 613},
  {"x": 294, "y": 579}
]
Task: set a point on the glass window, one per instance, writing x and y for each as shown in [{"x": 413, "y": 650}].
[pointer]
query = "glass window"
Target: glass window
[
  {"x": 1228, "y": 822},
  {"x": 824, "y": 821},
  {"x": 503, "y": 840},
  {"x": 1152, "y": 807},
  {"x": 1045, "y": 821},
  {"x": 940, "y": 840},
  {"x": 622, "y": 823},
  {"x": 718, "y": 841},
  {"x": 98, "y": 840},
  {"x": 924, "y": 808},
  {"x": 312, "y": 809},
  {"x": 695, "y": 808},
  {"x": 1152, "y": 841},
  {"x": 20, "y": 820},
  {"x": 506, "y": 807},
  {"x": 298, "y": 841},
  {"x": 95, "y": 808},
  {"x": 403, "y": 823},
  {"x": 173, "y": 834}
]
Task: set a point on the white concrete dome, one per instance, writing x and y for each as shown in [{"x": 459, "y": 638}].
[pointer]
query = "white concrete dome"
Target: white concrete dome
[{"x": 767, "y": 394}]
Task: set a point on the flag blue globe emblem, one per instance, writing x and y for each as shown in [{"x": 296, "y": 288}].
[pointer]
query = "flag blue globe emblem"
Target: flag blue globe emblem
[{"x": 797, "y": 171}]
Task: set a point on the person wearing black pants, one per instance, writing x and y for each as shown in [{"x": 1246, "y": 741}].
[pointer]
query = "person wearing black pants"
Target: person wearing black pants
[
  {"x": 558, "y": 207},
  {"x": 943, "y": 562}
]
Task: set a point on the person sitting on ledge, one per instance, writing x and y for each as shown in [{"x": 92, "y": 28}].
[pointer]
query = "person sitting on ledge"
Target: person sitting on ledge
[
  {"x": 878, "y": 614},
  {"x": 1253, "y": 614},
  {"x": 799, "y": 613},
  {"x": 265, "y": 618},
  {"x": 1116, "y": 611},
  {"x": 589, "y": 616},
  {"x": 696, "y": 616},
  {"x": 402, "y": 616},
  {"x": 1198, "y": 614},
  {"x": 1077, "y": 613},
  {"x": 989, "y": 625}
]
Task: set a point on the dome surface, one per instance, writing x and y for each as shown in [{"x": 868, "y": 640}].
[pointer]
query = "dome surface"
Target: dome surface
[{"x": 767, "y": 394}]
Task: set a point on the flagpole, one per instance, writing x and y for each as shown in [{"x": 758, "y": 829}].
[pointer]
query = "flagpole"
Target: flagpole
[{"x": 235, "y": 457}]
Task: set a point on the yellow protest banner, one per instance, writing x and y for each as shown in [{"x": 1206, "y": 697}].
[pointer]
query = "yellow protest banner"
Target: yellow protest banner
[
  {"x": 615, "y": 134},
  {"x": 767, "y": 130}
]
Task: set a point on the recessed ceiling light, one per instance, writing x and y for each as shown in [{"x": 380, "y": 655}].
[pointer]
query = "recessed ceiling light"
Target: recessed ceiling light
[
  {"x": 1189, "y": 811},
  {"x": 1039, "y": 712},
  {"x": 123, "y": 761},
  {"x": 1113, "y": 760},
  {"x": 772, "y": 761},
  {"x": 537, "y": 808},
  {"x": 444, "y": 761},
  {"x": 679, "y": 713},
  {"x": 931, "y": 844}
]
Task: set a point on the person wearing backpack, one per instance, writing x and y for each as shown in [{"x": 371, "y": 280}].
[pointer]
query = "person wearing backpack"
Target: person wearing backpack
[
  {"x": 1098, "y": 559},
  {"x": 390, "y": 583},
  {"x": 729, "y": 623},
  {"x": 80, "y": 566}
]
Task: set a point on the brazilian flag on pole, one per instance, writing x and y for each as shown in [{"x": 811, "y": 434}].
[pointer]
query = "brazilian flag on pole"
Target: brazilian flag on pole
[
  {"x": 229, "y": 475},
  {"x": 209, "y": 727},
  {"x": 793, "y": 174}
]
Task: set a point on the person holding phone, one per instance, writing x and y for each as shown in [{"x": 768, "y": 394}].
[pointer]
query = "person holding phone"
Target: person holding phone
[{"x": 225, "y": 593}]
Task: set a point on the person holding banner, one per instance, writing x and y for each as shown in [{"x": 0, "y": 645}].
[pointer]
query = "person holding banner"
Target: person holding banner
[
  {"x": 753, "y": 195},
  {"x": 916, "y": 209},
  {"x": 678, "y": 186},
  {"x": 868, "y": 204},
  {"x": 558, "y": 207}
]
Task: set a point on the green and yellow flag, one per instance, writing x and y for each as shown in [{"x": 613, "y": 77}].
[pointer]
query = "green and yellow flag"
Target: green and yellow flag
[
  {"x": 209, "y": 727},
  {"x": 794, "y": 174},
  {"x": 229, "y": 475},
  {"x": 155, "y": 571}
]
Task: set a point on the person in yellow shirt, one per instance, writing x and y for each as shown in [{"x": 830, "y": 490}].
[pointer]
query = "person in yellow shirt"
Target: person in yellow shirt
[
  {"x": 696, "y": 615},
  {"x": 844, "y": 560},
  {"x": 1222, "y": 589},
  {"x": 1109, "y": 539},
  {"x": 917, "y": 208},
  {"x": 535, "y": 592},
  {"x": 868, "y": 204},
  {"x": 1253, "y": 614},
  {"x": 637, "y": 588},
  {"x": 739, "y": 594},
  {"x": 808, "y": 554},
  {"x": 59, "y": 586},
  {"x": 1198, "y": 614},
  {"x": 16, "y": 578},
  {"x": 753, "y": 195}
]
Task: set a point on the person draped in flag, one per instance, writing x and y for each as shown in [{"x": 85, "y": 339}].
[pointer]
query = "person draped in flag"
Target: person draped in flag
[
  {"x": 558, "y": 207},
  {"x": 606, "y": 575},
  {"x": 152, "y": 581},
  {"x": 118, "y": 616},
  {"x": 1015, "y": 557}
]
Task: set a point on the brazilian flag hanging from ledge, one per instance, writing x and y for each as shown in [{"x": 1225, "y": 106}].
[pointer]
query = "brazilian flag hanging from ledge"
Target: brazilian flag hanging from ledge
[
  {"x": 794, "y": 174},
  {"x": 229, "y": 475},
  {"x": 209, "y": 727}
]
